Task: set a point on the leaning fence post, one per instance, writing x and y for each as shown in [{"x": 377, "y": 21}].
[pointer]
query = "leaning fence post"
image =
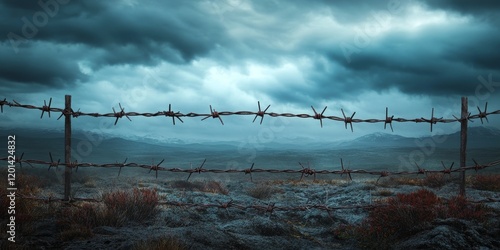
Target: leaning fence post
[
  {"x": 67, "y": 147},
  {"x": 463, "y": 142}
]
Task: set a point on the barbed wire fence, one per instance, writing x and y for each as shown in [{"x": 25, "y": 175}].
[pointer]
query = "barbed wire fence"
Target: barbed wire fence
[
  {"x": 347, "y": 120},
  {"x": 69, "y": 113}
]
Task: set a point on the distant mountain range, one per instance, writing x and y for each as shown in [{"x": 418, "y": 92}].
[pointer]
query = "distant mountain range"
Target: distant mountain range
[{"x": 477, "y": 137}]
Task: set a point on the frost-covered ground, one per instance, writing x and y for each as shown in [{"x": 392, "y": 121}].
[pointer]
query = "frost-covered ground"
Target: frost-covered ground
[{"x": 233, "y": 228}]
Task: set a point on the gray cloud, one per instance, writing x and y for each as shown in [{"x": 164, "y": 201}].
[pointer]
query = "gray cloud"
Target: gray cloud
[
  {"x": 106, "y": 34},
  {"x": 38, "y": 66},
  {"x": 436, "y": 60},
  {"x": 480, "y": 7}
]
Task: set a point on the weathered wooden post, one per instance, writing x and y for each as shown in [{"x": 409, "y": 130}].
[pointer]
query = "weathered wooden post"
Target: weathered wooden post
[
  {"x": 67, "y": 147},
  {"x": 463, "y": 142}
]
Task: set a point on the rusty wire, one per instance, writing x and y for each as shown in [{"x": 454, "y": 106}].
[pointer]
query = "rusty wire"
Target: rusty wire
[
  {"x": 304, "y": 171},
  {"x": 347, "y": 120},
  {"x": 266, "y": 208}
]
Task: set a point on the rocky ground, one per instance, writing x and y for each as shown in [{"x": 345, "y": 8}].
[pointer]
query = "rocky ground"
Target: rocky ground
[{"x": 252, "y": 228}]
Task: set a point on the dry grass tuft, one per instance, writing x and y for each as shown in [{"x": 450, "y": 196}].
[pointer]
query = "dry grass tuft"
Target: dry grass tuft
[
  {"x": 135, "y": 205},
  {"x": 405, "y": 180},
  {"x": 215, "y": 187},
  {"x": 117, "y": 208},
  {"x": 163, "y": 243},
  {"x": 262, "y": 191},
  {"x": 280, "y": 182},
  {"x": 407, "y": 214},
  {"x": 434, "y": 180},
  {"x": 486, "y": 182},
  {"x": 27, "y": 211},
  {"x": 384, "y": 192}
]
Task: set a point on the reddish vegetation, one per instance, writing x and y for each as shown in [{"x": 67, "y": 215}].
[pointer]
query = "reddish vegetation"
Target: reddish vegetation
[
  {"x": 487, "y": 182},
  {"x": 407, "y": 214},
  {"x": 135, "y": 205},
  {"x": 117, "y": 208}
]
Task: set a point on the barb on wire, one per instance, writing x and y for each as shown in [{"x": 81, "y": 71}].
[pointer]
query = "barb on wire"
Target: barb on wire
[
  {"x": 469, "y": 118},
  {"x": 67, "y": 112},
  {"x": 348, "y": 119},
  {"x": 72, "y": 165},
  {"x": 19, "y": 160},
  {"x": 123, "y": 164},
  {"x": 344, "y": 170},
  {"x": 198, "y": 169},
  {"x": 120, "y": 114},
  {"x": 170, "y": 113},
  {"x": 383, "y": 174},
  {"x": 249, "y": 171},
  {"x": 484, "y": 114},
  {"x": 46, "y": 108},
  {"x": 447, "y": 170},
  {"x": 260, "y": 113},
  {"x": 433, "y": 119},
  {"x": 420, "y": 170},
  {"x": 77, "y": 113},
  {"x": 319, "y": 116},
  {"x": 270, "y": 208},
  {"x": 3, "y": 103},
  {"x": 225, "y": 205},
  {"x": 53, "y": 163},
  {"x": 307, "y": 171},
  {"x": 214, "y": 114},
  {"x": 155, "y": 168},
  {"x": 477, "y": 166},
  {"x": 388, "y": 120}
]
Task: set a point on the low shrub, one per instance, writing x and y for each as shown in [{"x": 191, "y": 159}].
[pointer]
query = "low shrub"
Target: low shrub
[
  {"x": 458, "y": 207},
  {"x": 136, "y": 205},
  {"x": 207, "y": 187},
  {"x": 27, "y": 211},
  {"x": 384, "y": 192},
  {"x": 486, "y": 182},
  {"x": 434, "y": 180},
  {"x": 262, "y": 192},
  {"x": 166, "y": 242},
  {"x": 403, "y": 180},
  {"x": 117, "y": 208},
  {"x": 406, "y": 214}
]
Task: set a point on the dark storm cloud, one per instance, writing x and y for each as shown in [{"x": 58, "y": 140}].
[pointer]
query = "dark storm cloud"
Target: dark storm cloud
[
  {"x": 108, "y": 33},
  {"x": 40, "y": 66},
  {"x": 437, "y": 60},
  {"x": 480, "y": 7},
  {"x": 440, "y": 60}
]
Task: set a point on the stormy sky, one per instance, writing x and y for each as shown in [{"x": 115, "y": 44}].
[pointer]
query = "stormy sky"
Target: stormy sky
[{"x": 360, "y": 56}]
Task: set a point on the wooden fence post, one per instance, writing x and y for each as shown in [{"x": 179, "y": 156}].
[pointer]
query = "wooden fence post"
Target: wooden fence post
[
  {"x": 463, "y": 142},
  {"x": 67, "y": 148}
]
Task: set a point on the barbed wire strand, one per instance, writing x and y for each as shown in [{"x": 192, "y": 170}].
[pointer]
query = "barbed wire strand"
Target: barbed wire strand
[
  {"x": 305, "y": 171},
  {"x": 267, "y": 208},
  {"x": 347, "y": 120}
]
